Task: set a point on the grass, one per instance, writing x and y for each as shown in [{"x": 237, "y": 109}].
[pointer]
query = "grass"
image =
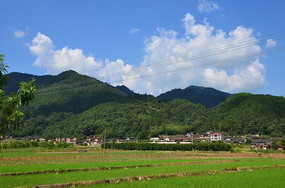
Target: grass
[{"x": 33, "y": 160}]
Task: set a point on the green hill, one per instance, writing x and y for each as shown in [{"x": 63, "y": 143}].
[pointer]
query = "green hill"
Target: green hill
[
  {"x": 140, "y": 117},
  {"x": 208, "y": 97},
  {"x": 70, "y": 92},
  {"x": 15, "y": 78},
  {"x": 247, "y": 113},
  {"x": 71, "y": 104},
  {"x": 62, "y": 96}
]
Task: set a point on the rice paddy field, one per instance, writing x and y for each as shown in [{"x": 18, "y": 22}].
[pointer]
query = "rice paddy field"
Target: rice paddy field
[{"x": 93, "y": 167}]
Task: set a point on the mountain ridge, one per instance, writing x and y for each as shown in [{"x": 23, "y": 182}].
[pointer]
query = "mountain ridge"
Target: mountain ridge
[
  {"x": 75, "y": 105},
  {"x": 206, "y": 96}
]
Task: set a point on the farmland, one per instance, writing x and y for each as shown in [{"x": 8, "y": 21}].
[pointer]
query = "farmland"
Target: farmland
[{"x": 82, "y": 166}]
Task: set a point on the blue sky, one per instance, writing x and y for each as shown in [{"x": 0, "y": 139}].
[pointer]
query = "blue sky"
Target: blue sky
[{"x": 150, "y": 46}]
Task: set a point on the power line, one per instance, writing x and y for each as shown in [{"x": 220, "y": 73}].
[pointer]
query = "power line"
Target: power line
[
  {"x": 207, "y": 64},
  {"x": 199, "y": 55},
  {"x": 208, "y": 53},
  {"x": 65, "y": 85},
  {"x": 71, "y": 89},
  {"x": 167, "y": 72}
]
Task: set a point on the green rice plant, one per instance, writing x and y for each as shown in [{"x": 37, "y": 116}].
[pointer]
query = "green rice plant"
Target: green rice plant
[
  {"x": 86, "y": 165},
  {"x": 40, "y": 179},
  {"x": 246, "y": 179}
]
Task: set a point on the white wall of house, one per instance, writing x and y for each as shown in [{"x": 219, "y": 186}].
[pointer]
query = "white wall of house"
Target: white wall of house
[{"x": 216, "y": 137}]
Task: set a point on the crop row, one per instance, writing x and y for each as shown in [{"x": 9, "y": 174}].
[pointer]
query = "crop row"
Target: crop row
[
  {"x": 160, "y": 176},
  {"x": 261, "y": 178},
  {"x": 69, "y": 177},
  {"x": 109, "y": 168}
]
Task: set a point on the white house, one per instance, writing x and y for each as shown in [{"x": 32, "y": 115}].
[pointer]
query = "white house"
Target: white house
[
  {"x": 216, "y": 137},
  {"x": 154, "y": 139}
]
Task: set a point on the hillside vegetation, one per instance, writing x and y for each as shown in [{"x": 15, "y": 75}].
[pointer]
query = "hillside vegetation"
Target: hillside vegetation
[
  {"x": 70, "y": 104},
  {"x": 208, "y": 97},
  {"x": 248, "y": 113}
]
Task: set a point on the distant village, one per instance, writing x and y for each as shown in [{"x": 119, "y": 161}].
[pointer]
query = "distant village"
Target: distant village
[{"x": 256, "y": 141}]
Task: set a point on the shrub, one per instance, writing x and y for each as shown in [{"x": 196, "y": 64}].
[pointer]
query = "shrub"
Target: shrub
[
  {"x": 216, "y": 146},
  {"x": 26, "y": 144}
]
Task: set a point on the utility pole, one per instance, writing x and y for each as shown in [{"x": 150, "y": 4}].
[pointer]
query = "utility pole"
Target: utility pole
[{"x": 104, "y": 141}]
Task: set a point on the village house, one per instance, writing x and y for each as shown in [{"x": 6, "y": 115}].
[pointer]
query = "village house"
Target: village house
[
  {"x": 106, "y": 141},
  {"x": 260, "y": 143},
  {"x": 216, "y": 137},
  {"x": 189, "y": 135},
  {"x": 80, "y": 142},
  {"x": 204, "y": 136},
  {"x": 178, "y": 139},
  {"x": 60, "y": 139},
  {"x": 131, "y": 139},
  {"x": 154, "y": 139},
  {"x": 71, "y": 140},
  {"x": 166, "y": 139},
  {"x": 235, "y": 140},
  {"x": 257, "y": 135},
  {"x": 36, "y": 138},
  {"x": 93, "y": 140},
  {"x": 5, "y": 137},
  {"x": 119, "y": 140}
]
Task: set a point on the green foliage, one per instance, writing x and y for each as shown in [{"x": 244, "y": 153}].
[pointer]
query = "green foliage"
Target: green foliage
[
  {"x": 215, "y": 146},
  {"x": 208, "y": 97},
  {"x": 10, "y": 117},
  {"x": 140, "y": 117},
  {"x": 274, "y": 145},
  {"x": 248, "y": 114},
  {"x": 282, "y": 142},
  {"x": 73, "y": 105}
]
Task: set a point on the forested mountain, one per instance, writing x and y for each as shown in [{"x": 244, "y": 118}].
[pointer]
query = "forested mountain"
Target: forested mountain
[
  {"x": 208, "y": 97},
  {"x": 247, "y": 113},
  {"x": 70, "y": 92},
  {"x": 71, "y": 104},
  {"x": 15, "y": 78},
  {"x": 142, "y": 117}
]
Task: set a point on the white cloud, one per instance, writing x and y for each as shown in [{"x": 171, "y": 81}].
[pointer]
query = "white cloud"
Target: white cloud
[
  {"x": 56, "y": 61},
  {"x": 20, "y": 34},
  {"x": 118, "y": 72},
  {"x": 202, "y": 56},
  {"x": 251, "y": 77},
  {"x": 134, "y": 30},
  {"x": 207, "y": 6},
  {"x": 270, "y": 43}
]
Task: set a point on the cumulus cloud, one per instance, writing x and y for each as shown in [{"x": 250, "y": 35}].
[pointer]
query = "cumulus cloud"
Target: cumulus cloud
[
  {"x": 58, "y": 60},
  {"x": 207, "y": 6},
  {"x": 20, "y": 34},
  {"x": 118, "y": 73},
  {"x": 202, "y": 56},
  {"x": 270, "y": 43},
  {"x": 251, "y": 77}
]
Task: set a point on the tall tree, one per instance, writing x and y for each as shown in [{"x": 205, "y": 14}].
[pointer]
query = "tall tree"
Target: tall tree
[{"x": 10, "y": 116}]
